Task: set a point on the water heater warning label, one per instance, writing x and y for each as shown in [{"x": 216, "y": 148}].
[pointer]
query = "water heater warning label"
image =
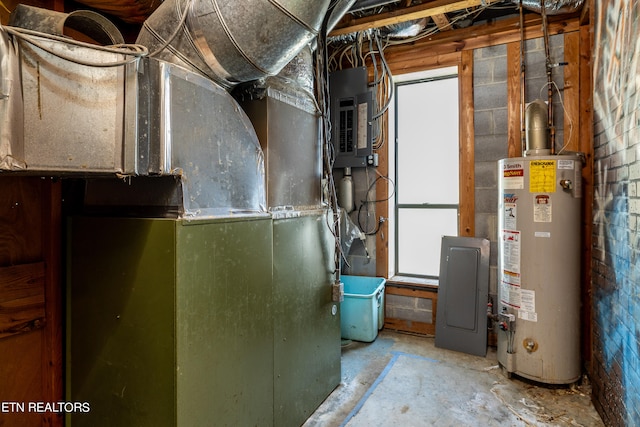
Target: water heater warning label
[
  {"x": 542, "y": 176},
  {"x": 542, "y": 208},
  {"x": 510, "y": 280},
  {"x": 511, "y": 252},
  {"x": 510, "y": 289},
  {"x": 510, "y": 211}
]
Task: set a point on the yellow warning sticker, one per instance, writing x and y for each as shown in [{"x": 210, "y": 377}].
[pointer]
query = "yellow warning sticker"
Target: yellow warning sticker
[{"x": 542, "y": 176}]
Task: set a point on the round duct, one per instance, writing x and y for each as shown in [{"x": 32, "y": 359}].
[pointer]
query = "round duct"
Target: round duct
[
  {"x": 232, "y": 41},
  {"x": 82, "y": 25}
]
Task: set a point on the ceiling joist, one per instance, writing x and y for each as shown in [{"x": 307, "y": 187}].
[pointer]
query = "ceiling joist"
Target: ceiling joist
[
  {"x": 426, "y": 10},
  {"x": 442, "y": 22}
]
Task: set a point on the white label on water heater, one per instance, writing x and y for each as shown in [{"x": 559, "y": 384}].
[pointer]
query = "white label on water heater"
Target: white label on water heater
[
  {"x": 528, "y": 315},
  {"x": 566, "y": 164},
  {"x": 546, "y": 234},
  {"x": 510, "y": 216},
  {"x": 527, "y": 309},
  {"x": 527, "y": 300}
]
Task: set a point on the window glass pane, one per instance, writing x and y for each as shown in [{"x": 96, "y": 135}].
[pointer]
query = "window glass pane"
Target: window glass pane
[
  {"x": 420, "y": 234},
  {"x": 427, "y": 141}
]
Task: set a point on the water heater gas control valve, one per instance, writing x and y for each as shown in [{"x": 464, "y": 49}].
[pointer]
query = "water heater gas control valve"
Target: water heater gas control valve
[{"x": 566, "y": 184}]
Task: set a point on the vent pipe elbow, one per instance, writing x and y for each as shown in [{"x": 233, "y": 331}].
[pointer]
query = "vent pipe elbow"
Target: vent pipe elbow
[{"x": 231, "y": 41}]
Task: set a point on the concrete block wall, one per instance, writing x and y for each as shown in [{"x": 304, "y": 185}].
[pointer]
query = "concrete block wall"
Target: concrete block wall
[
  {"x": 616, "y": 210},
  {"x": 491, "y": 126},
  {"x": 408, "y": 308}
]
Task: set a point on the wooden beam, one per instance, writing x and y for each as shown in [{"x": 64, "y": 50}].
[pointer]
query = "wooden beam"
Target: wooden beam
[
  {"x": 430, "y": 9},
  {"x": 570, "y": 94},
  {"x": 402, "y": 64},
  {"x": 586, "y": 146},
  {"x": 52, "y": 349},
  {"x": 467, "y": 150},
  {"x": 442, "y": 22},
  {"x": 501, "y": 32},
  {"x": 382, "y": 207},
  {"x": 514, "y": 110}
]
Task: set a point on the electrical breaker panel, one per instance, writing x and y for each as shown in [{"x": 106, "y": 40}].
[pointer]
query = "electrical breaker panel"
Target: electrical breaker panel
[{"x": 351, "y": 115}]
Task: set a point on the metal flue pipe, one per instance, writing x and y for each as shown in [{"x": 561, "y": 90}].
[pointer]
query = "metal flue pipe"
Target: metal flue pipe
[{"x": 231, "y": 41}]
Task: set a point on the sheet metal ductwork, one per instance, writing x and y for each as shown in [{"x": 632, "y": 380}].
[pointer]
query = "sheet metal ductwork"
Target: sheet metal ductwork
[
  {"x": 552, "y": 7},
  {"x": 230, "y": 41},
  {"x": 167, "y": 114}
]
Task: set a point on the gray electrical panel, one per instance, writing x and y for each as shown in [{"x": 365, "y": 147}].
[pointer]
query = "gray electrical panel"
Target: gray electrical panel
[
  {"x": 351, "y": 115},
  {"x": 461, "y": 320}
]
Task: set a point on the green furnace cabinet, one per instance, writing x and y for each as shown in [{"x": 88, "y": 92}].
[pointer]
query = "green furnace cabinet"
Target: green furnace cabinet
[{"x": 200, "y": 323}]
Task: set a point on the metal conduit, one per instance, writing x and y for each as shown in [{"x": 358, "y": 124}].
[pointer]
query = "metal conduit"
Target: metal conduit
[{"x": 230, "y": 41}]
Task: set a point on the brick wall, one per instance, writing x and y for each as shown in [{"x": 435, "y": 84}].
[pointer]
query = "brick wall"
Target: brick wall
[{"x": 615, "y": 243}]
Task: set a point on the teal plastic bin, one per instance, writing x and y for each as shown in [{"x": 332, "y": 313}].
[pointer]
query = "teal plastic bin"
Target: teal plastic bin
[{"x": 362, "y": 311}]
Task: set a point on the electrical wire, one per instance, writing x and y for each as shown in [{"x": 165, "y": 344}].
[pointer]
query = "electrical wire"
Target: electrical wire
[
  {"x": 321, "y": 60},
  {"x": 175, "y": 32},
  {"x": 367, "y": 203},
  {"x": 31, "y": 37}
]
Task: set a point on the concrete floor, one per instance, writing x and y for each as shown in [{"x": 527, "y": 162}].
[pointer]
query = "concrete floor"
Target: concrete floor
[{"x": 404, "y": 380}]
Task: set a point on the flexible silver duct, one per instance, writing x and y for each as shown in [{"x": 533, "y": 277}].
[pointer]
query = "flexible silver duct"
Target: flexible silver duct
[
  {"x": 552, "y": 7},
  {"x": 231, "y": 41}
]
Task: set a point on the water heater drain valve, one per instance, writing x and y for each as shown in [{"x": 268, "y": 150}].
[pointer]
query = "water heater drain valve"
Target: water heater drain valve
[{"x": 530, "y": 344}]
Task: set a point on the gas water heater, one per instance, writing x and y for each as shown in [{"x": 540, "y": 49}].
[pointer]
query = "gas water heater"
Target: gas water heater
[{"x": 539, "y": 266}]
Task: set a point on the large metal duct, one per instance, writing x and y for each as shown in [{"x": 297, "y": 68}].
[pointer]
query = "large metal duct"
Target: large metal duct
[
  {"x": 231, "y": 41},
  {"x": 552, "y": 7}
]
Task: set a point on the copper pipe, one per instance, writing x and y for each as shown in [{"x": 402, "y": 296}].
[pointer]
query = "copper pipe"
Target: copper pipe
[{"x": 552, "y": 130}]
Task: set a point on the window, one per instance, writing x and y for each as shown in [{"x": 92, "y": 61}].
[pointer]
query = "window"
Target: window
[{"x": 426, "y": 170}]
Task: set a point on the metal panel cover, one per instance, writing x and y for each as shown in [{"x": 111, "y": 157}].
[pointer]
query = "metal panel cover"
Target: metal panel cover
[{"x": 461, "y": 321}]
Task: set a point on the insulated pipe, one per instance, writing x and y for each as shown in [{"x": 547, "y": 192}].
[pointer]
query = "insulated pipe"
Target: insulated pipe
[
  {"x": 552, "y": 7},
  {"x": 231, "y": 41}
]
